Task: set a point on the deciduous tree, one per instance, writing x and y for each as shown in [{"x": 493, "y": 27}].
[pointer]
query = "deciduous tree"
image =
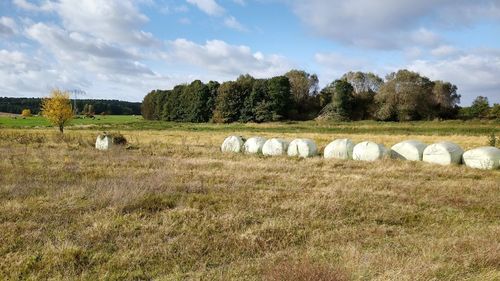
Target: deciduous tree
[
  {"x": 405, "y": 96},
  {"x": 341, "y": 101},
  {"x": 57, "y": 108},
  {"x": 304, "y": 91}
]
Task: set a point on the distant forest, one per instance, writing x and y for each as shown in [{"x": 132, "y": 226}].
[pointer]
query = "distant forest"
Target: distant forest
[{"x": 109, "y": 107}]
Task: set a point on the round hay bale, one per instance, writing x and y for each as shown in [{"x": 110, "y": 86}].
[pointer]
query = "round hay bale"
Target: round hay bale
[
  {"x": 339, "y": 149},
  {"x": 485, "y": 158},
  {"x": 233, "y": 144},
  {"x": 275, "y": 147},
  {"x": 303, "y": 148},
  {"x": 369, "y": 151},
  {"x": 443, "y": 153},
  {"x": 412, "y": 150},
  {"x": 104, "y": 142},
  {"x": 254, "y": 145}
]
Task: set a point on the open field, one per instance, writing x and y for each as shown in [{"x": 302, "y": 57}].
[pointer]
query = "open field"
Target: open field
[
  {"x": 172, "y": 207},
  {"x": 17, "y": 121},
  {"x": 133, "y": 123}
]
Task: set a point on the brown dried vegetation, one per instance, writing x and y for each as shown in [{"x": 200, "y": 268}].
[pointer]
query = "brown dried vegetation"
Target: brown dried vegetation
[{"x": 178, "y": 209}]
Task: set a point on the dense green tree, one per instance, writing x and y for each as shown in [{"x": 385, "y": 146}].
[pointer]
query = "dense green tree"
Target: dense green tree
[
  {"x": 148, "y": 105},
  {"x": 161, "y": 98},
  {"x": 278, "y": 91},
  {"x": 194, "y": 101},
  {"x": 445, "y": 99},
  {"x": 257, "y": 96},
  {"x": 246, "y": 83},
  {"x": 480, "y": 107},
  {"x": 304, "y": 91},
  {"x": 405, "y": 96},
  {"x": 365, "y": 85},
  {"x": 213, "y": 86},
  {"x": 494, "y": 112},
  {"x": 230, "y": 101},
  {"x": 341, "y": 100},
  {"x": 172, "y": 108}
]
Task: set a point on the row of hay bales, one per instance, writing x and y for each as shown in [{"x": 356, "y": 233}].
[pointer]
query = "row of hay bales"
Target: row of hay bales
[{"x": 443, "y": 153}]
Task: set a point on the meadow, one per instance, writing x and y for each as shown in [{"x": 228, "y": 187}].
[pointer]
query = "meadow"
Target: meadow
[{"x": 170, "y": 206}]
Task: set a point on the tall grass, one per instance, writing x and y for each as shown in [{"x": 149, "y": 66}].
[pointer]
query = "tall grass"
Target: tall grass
[{"x": 176, "y": 208}]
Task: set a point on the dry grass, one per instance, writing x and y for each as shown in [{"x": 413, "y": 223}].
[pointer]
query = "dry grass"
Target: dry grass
[{"x": 177, "y": 209}]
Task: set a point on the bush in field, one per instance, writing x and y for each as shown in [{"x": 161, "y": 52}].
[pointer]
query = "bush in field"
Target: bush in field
[{"x": 26, "y": 112}]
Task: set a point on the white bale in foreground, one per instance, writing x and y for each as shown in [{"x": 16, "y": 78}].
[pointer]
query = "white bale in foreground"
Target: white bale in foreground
[
  {"x": 369, "y": 151},
  {"x": 232, "y": 144},
  {"x": 485, "y": 158},
  {"x": 339, "y": 149},
  {"x": 443, "y": 153},
  {"x": 103, "y": 142},
  {"x": 412, "y": 150},
  {"x": 275, "y": 147},
  {"x": 254, "y": 145},
  {"x": 302, "y": 148}
]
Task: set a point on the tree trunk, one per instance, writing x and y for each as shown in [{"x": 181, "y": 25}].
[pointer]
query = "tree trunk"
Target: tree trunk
[{"x": 61, "y": 128}]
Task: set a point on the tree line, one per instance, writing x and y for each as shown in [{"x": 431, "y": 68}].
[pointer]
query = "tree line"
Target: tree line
[
  {"x": 110, "y": 107},
  {"x": 402, "y": 96},
  {"x": 292, "y": 96}
]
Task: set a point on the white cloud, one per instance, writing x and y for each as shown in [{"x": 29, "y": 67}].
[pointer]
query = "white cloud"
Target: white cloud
[
  {"x": 228, "y": 60},
  {"x": 390, "y": 24},
  {"x": 475, "y": 73},
  {"x": 334, "y": 65},
  {"x": 425, "y": 37},
  {"x": 44, "y": 6},
  {"x": 110, "y": 20},
  {"x": 73, "y": 45},
  {"x": 118, "y": 21},
  {"x": 444, "y": 50},
  {"x": 8, "y": 26},
  {"x": 70, "y": 59},
  {"x": 233, "y": 23},
  {"x": 209, "y": 7},
  {"x": 24, "y": 75}
]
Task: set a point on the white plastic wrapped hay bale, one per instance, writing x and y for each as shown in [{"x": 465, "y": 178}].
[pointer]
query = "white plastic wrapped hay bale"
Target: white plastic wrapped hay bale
[
  {"x": 254, "y": 145},
  {"x": 232, "y": 144},
  {"x": 485, "y": 158},
  {"x": 412, "y": 150},
  {"x": 443, "y": 153},
  {"x": 275, "y": 147},
  {"x": 369, "y": 151},
  {"x": 303, "y": 148},
  {"x": 104, "y": 142},
  {"x": 339, "y": 149}
]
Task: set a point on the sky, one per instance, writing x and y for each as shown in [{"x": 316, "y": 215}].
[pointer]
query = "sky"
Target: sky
[{"x": 122, "y": 49}]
